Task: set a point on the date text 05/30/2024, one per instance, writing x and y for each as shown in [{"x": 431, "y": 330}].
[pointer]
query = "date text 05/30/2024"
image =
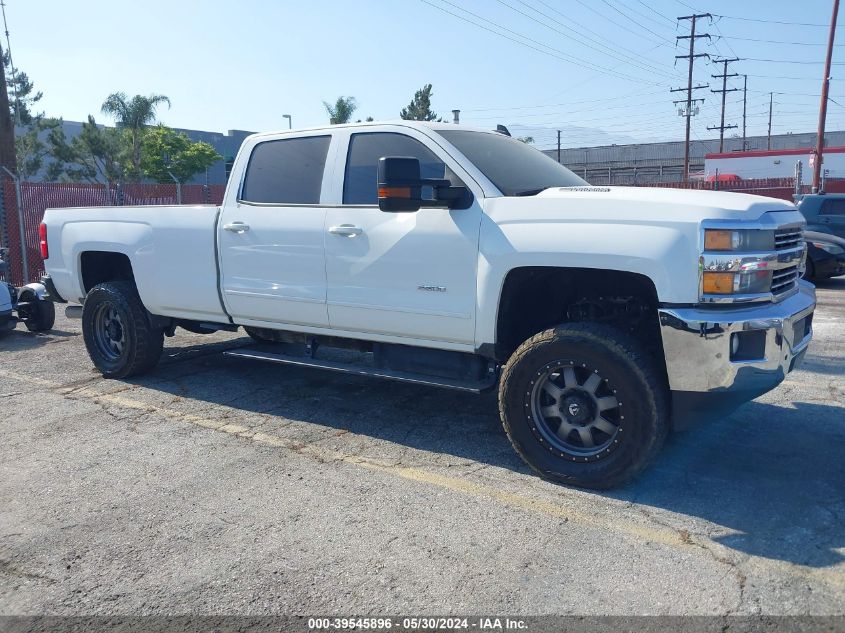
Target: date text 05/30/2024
[{"x": 418, "y": 623}]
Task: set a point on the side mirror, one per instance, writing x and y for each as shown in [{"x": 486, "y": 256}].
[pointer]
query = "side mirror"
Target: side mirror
[{"x": 400, "y": 187}]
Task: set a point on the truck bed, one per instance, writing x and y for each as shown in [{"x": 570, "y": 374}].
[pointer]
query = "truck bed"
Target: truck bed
[{"x": 172, "y": 250}]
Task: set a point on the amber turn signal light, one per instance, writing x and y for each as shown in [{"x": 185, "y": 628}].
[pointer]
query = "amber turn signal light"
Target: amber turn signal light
[
  {"x": 718, "y": 283},
  {"x": 718, "y": 240},
  {"x": 394, "y": 192}
]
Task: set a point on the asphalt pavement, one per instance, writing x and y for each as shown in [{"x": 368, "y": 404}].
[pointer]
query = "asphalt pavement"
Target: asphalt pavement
[{"x": 218, "y": 485}]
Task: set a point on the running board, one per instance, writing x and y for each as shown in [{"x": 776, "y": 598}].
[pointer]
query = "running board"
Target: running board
[{"x": 474, "y": 386}]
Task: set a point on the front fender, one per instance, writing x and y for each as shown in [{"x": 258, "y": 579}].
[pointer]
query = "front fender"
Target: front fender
[{"x": 666, "y": 254}]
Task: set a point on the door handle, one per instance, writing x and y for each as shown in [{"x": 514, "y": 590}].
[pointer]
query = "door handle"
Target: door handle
[
  {"x": 236, "y": 227},
  {"x": 349, "y": 230}
]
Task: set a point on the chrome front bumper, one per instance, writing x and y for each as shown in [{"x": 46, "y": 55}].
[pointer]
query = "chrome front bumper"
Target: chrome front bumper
[{"x": 697, "y": 345}]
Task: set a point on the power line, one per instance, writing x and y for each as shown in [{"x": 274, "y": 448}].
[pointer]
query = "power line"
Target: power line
[
  {"x": 789, "y": 61},
  {"x": 625, "y": 59},
  {"x": 752, "y": 39},
  {"x": 549, "y": 105},
  {"x": 557, "y": 54},
  {"x": 621, "y": 26},
  {"x": 657, "y": 12},
  {"x": 628, "y": 17},
  {"x": 734, "y": 17},
  {"x": 583, "y": 27}
]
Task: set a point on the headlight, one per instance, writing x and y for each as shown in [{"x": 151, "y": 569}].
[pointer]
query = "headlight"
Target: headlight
[
  {"x": 721, "y": 283},
  {"x": 833, "y": 249},
  {"x": 748, "y": 240}
]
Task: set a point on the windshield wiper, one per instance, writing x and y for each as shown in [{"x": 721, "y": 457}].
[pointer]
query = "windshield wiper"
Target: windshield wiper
[{"x": 531, "y": 192}]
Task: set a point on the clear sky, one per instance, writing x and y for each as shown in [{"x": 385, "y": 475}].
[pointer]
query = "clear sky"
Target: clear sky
[{"x": 600, "y": 70}]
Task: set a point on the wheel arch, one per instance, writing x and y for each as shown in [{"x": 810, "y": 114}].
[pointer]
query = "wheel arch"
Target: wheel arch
[
  {"x": 96, "y": 266},
  {"x": 534, "y": 298}
]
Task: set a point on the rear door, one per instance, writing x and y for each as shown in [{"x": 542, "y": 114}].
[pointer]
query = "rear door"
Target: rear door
[
  {"x": 271, "y": 239},
  {"x": 832, "y": 216},
  {"x": 402, "y": 274}
]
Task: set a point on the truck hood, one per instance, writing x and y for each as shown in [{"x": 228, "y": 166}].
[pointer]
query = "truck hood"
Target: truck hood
[
  {"x": 653, "y": 232},
  {"x": 639, "y": 204}
]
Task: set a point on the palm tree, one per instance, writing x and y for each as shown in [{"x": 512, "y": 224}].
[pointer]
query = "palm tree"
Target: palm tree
[
  {"x": 133, "y": 115},
  {"x": 342, "y": 110}
]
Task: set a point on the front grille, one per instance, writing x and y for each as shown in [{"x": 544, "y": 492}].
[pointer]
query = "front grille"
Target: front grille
[
  {"x": 784, "y": 280},
  {"x": 788, "y": 238}
]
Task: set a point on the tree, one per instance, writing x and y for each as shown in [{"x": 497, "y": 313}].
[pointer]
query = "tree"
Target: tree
[
  {"x": 32, "y": 147},
  {"x": 97, "y": 154},
  {"x": 22, "y": 97},
  {"x": 420, "y": 107},
  {"x": 525, "y": 139},
  {"x": 342, "y": 110},
  {"x": 165, "y": 150},
  {"x": 32, "y": 128},
  {"x": 133, "y": 115}
]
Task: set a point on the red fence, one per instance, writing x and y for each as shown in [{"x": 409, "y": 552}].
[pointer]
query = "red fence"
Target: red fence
[
  {"x": 36, "y": 197},
  {"x": 783, "y": 188},
  {"x": 39, "y": 196}
]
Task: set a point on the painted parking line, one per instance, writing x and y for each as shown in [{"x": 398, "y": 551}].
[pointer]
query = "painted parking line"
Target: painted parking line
[{"x": 682, "y": 539}]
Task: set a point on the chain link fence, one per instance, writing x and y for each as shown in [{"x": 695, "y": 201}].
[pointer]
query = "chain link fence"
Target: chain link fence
[{"x": 24, "y": 259}]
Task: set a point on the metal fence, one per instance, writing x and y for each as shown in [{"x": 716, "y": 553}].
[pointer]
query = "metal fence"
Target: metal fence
[
  {"x": 783, "y": 188},
  {"x": 37, "y": 197}
]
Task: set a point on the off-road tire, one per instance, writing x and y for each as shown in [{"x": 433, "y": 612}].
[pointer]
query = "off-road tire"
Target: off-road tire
[
  {"x": 638, "y": 384},
  {"x": 39, "y": 315},
  {"x": 143, "y": 342}
]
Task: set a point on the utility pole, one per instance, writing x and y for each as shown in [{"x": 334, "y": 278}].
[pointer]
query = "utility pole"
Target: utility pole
[
  {"x": 769, "y": 135},
  {"x": 688, "y": 111},
  {"x": 725, "y": 90},
  {"x": 819, "y": 155},
  {"x": 558, "y": 146},
  {"x": 744, "y": 100},
  {"x": 7, "y": 129}
]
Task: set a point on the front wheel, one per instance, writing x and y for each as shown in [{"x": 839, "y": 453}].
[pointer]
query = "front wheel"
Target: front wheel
[
  {"x": 583, "y": 404},
  {"x": 118, "y": 334}
]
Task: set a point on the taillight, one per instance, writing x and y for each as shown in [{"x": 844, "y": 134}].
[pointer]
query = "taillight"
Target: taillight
[{"x": 42, "y": 236}]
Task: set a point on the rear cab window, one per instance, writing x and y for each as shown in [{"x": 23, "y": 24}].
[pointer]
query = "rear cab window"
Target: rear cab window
[{"x": 286, "y": 171}]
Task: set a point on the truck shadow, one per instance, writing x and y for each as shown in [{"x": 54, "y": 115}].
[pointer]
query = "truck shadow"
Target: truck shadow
[
  {"x": 20, "y": 339},
  {"x": 769, "y": 477}
]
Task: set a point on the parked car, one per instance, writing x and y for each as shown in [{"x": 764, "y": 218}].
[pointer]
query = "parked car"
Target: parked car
[
  {"x": 464, "y": 259},
  {"x": 824, "y": 212},
  {"x": 825, "y": 256},
  {"x": 27, "y": 305}
]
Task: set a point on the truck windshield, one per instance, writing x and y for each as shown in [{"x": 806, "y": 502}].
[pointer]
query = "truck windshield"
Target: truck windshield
[{"x": 516, "y": 168}]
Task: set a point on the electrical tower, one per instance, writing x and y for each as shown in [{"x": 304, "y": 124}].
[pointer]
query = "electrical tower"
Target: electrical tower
[
  {"x": 725, "y": 90},
  {"x": 688, "y": 111}
]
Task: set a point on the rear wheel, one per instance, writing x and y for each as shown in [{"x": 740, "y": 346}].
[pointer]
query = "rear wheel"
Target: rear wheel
[
  {"x": 583, "y": 404},
  {"x": 38, "y": 315},
  {"x": 118, "y": 334}
]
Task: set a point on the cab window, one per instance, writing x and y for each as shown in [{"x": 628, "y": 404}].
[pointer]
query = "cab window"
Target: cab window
[
  {"x": 360, "y": 184},
  {"x": 286, "y": 171}
]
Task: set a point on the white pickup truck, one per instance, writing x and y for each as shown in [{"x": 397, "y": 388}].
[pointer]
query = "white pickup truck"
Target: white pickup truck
[{"x": 466, "y": 259}]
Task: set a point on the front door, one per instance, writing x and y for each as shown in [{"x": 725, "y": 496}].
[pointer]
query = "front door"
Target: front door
[
  {"x": 402, "y": 274},
  {"x": 271, "y": 239}
]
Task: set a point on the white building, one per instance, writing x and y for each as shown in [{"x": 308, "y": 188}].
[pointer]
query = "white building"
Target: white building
[{"x": 776, "y": 163}]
